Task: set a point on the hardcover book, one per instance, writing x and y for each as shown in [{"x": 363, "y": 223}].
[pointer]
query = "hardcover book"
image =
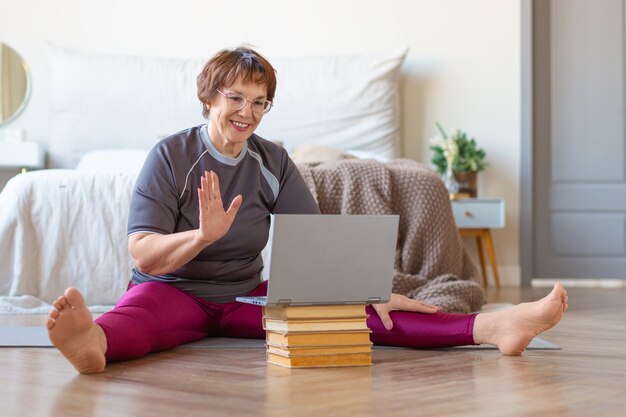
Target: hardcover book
[
  {"x": 314, "y": 325},
  {"x": 308, "y": 339},
  {"x": 318, "y": 350},
  {"x": 315, "y": 312},
  {"x": 317, "y": 361}
]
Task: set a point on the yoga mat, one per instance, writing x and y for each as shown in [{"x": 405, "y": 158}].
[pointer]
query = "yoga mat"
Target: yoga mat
[
  {"x": 38, "y": 337},
  {"x": 24, "y": 337}
]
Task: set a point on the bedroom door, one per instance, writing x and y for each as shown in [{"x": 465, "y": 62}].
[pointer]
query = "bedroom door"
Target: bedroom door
[{"x": 579, "y": 151}]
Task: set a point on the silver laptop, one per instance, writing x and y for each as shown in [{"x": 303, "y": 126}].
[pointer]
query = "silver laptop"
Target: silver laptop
[{"x": 330, "y": 259}]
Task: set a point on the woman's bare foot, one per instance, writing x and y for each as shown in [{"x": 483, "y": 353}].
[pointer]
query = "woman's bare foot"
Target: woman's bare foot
[
  {"x": 72, "y": 330},
  {"x": 513, "y": 329}
]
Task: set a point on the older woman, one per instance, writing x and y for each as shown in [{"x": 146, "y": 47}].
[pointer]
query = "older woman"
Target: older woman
[{"x": 193, "y": 256}]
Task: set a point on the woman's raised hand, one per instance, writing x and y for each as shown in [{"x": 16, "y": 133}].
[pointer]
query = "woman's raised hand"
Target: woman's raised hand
[
  {"x": 401, "y": 303},
  {"x": 214, "y": 221}
]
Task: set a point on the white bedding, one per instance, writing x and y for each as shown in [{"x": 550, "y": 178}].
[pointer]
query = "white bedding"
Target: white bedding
[{"x": 63, "y": 228}]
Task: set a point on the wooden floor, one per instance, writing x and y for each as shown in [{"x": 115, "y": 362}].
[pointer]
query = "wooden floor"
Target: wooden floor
[{"x": 587, "y": 377}]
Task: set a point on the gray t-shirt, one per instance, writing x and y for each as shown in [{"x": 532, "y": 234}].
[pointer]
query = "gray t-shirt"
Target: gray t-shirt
[{"x": 165, "y": 201}]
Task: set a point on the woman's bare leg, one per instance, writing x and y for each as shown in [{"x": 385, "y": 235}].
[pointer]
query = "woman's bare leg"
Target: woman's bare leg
[
  {"x": 513, "y": 329},
  {"x": 72, "y": 330}
]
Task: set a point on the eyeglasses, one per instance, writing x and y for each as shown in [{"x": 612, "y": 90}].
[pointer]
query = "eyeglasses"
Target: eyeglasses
[{"x": 237, "y": 102}]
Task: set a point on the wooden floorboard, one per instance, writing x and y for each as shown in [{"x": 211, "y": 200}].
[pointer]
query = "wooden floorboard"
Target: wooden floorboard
[{"x": 587, "y": 377}]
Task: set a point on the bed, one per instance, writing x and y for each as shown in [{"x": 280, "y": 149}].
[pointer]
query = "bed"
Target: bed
[{"x": 337, "y": 115}]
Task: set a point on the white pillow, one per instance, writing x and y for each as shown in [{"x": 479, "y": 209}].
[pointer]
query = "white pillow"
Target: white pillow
[
  {"x": 113, "y": 161},
  {"x": 115, "y": 101},
  {"x": 312, "y": 153},
  {"x": 344, "y": 102}
]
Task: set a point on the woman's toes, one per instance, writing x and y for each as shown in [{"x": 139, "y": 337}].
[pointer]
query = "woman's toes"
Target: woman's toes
[
  {"x": 50, "y": 323},
  {"x": 74, "y": 299},
  {"x": 60, "y": 303}
]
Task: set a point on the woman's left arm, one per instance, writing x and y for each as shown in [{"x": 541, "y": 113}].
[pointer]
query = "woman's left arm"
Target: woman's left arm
[{"x": 401, "y": 303}]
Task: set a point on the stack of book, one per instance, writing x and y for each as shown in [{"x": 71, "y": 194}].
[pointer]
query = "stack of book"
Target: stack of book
[{"x": 317, "y": 336}]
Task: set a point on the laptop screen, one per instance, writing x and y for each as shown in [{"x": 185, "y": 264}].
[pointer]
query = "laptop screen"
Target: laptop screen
[{"x": 331, "y": 259}]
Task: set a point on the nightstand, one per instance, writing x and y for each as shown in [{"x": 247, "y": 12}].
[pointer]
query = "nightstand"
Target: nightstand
[
  {"x": 475, "y": 217},
  {"x": 23, "y": 155}
]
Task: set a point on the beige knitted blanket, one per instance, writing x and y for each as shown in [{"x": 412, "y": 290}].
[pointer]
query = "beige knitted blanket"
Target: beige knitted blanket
[{"x": 432, "y": 264}]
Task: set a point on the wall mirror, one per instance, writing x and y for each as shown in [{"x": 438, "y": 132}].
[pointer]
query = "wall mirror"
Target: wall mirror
[{"x": 14, "y": 84}]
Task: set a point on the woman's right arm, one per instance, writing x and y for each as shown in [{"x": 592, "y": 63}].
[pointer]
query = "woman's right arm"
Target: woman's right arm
[{"x": 159, "y": 254}]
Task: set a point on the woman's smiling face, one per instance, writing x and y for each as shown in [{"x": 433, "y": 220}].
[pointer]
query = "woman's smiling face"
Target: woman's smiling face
[{"x": 229, "y": 129}]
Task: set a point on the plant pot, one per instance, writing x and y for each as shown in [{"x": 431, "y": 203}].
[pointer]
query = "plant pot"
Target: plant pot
[{"x": 468, "y": 183}]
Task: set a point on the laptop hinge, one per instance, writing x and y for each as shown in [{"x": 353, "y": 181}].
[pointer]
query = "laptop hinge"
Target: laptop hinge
[
  {"x": 373, "y": 300},
  {"x": 284, "y": 302}
]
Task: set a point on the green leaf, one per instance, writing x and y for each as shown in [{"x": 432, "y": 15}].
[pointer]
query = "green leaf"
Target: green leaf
[
  {"x": 441, "y": 130},
  {"x": 469, "y": 158}
]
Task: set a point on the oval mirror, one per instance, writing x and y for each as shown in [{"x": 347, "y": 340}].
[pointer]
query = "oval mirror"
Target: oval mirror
[{"x": 14, "y": 84}]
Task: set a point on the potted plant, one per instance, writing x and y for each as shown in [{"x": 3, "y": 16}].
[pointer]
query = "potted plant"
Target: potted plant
[{"x": 458, "y": 159}]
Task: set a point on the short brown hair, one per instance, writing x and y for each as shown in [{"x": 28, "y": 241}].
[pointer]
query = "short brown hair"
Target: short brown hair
[{"x": 229, "y": 64}]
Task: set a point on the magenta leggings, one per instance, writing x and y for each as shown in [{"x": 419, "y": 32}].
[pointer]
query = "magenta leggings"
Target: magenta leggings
[{"x": 155, "y": 316}]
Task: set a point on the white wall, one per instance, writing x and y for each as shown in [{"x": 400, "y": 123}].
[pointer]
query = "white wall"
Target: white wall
[{"x": 463, "y": 67}]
